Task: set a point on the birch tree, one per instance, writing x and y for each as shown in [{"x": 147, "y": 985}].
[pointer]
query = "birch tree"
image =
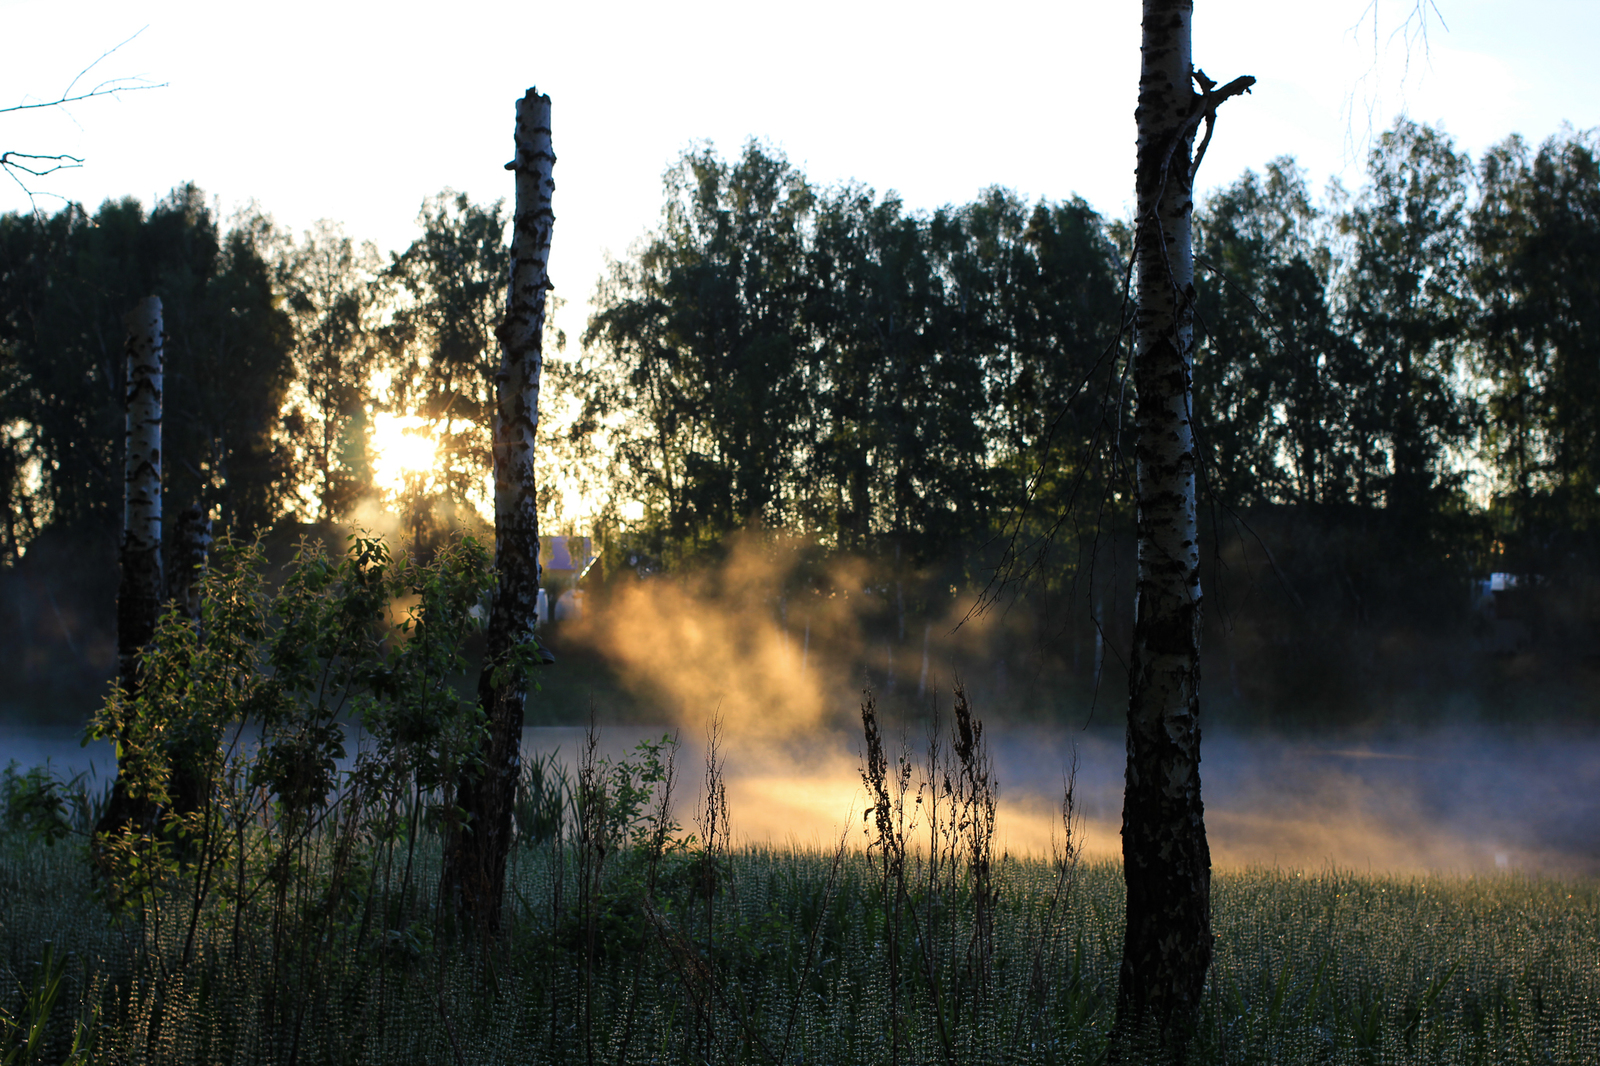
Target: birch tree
[
  {"x": 139, "y": 593},
  {"x": 20, "y": 167},
  {"x": 1404, "y": 304},
  {"x": 479, "y": 845},
  {"x": 1267, "y": 367},
  {"x": 1166, "y": 861},
  {"x": 706, "y": 349},
  {"x": 139, "y": 596}
]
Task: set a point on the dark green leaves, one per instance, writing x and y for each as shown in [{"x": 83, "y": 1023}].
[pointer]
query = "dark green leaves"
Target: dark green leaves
[
  {"x": 258, "y": 701},
  {"x": 825, "y": 361}
]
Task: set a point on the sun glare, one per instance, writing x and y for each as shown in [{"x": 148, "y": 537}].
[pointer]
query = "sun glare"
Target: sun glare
[{"x": 402, "y": 450}]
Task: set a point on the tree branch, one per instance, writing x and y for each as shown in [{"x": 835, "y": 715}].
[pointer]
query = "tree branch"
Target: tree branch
[
  {"x": 62, "y": 162},
  {"x": 106, "y": 88},
  {"x": 12, "y": 163},
  {"x": 1210, "y": 99}
]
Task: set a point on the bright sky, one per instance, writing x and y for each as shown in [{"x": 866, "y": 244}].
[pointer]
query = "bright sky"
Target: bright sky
[{"x": 356, "y": 112}]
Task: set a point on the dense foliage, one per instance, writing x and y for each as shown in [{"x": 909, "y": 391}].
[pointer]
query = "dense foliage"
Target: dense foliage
[{"x": 826, "y": 362}]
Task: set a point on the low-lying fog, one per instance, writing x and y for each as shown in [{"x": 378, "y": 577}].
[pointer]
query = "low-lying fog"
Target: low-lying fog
[
  {"x": 1463, "y": 800},
  {"x": 783, "y": 672}
]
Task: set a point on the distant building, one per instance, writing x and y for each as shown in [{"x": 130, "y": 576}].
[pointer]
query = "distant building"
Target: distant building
[
  {"x": 566, "y": 555},
  {"x": 1501, "y": 601},
  {"x": 565, "y": 561}
]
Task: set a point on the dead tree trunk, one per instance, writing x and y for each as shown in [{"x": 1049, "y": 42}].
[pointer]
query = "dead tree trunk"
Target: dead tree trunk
[
  {"x": 477, "y": 852},
  {"x": 1166, "y": 860},
  {"x": 140, "y": 589}
]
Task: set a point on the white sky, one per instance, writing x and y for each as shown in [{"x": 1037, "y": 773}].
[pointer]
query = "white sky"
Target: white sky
[{"x": 356, "y": 112}]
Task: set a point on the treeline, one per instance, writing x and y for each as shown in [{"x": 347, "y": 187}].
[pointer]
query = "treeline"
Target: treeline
[
  {"x": 66, "y": 282},
  {"x": 282, "y": 352},
  {"x": 825, "y": 361},
  {"x": 1396, "y": 387},
  {"x": 279, "y": 351},
  {"x": 1395, "y": 393}
]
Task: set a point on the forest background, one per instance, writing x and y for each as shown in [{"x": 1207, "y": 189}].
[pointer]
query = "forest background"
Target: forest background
[{"x": 809, "y": 402}]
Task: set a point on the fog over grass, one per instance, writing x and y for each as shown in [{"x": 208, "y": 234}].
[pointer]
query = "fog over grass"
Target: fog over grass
[
  {"x": 781, "y": 663},
  {"x": 783, "y": 673},
  {"x": 1462, "y": 800},
  {"x": 1466, "y": 801}
]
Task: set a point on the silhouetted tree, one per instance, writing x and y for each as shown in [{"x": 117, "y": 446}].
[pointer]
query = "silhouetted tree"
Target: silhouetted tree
[
  {"x": 705, "y": 352},
  {"x": 327, "y": 280},
  {"x": 142, "y": 589},
  {"x": 1265, "y": 387},
  {"x": 1404, "y": 306},
  {"x": 828, "y": 362},
  {"x": 898, "y": 454},
  {"x": 446, "y": 292},
  {"x": 65, "y": 282},
  {"x": 1536, "y": 232}
]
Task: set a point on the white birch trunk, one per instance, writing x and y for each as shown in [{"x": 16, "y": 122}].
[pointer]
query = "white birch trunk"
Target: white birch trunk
[
  {"x": 522, "y": 367},
  {"x": 139, "y": 596},
  {"x": 1166, "y": 859},
  {"x": 140, "y": 587},
  {"x": 477, "y": 860}
]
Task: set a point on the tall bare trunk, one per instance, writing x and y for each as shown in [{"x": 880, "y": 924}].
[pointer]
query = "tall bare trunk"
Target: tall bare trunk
[
  {"x": 1166, "y": 861},
  {"x": 139, "y": 592},
  {"x": 478, "y": 849}
]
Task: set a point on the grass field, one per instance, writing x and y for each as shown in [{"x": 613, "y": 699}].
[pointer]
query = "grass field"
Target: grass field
[{"x": 773, "y": 956}]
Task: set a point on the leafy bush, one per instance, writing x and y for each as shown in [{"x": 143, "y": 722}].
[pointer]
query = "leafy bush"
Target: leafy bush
[
  {"x": 44, "y": 806},
  {"x": 299, "y": 745}
]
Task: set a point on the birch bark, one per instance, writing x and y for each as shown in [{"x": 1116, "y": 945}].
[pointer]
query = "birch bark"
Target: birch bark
[
  {"x": 139, "y": 595},
  {"x": 1166, "y": 860},
  {"x": 479, "y": 847},
  {"x": 140, "y": 587}
]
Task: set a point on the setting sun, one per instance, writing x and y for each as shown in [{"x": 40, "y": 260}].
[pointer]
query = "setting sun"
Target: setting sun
[{"x": 402, "y": 449}]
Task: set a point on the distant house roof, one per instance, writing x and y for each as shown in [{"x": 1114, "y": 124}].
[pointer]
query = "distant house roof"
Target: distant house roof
[{"x": 565, "y": 553}]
